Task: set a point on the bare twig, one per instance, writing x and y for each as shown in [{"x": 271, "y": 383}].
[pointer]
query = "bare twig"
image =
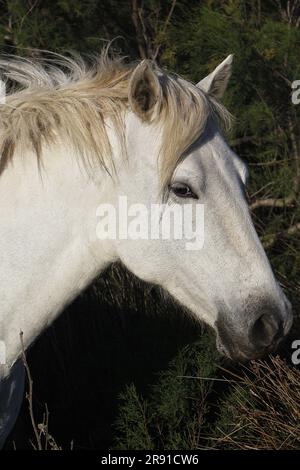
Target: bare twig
[
  {"x": 164, "y": 28},
  {"x": 136, "y": 19},
  {"x": 273, "y": 202},
  {"x": 42, "y": 429},
  {"x": 29, "y": 396}
]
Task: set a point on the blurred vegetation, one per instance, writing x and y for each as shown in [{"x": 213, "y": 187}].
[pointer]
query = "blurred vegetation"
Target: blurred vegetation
[{"x": 104, "y": 368}]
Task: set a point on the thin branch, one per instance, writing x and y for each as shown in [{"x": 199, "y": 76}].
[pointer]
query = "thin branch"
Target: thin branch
[
  {"x": 136, "y": 19},
  {"x": 42, "y": 429},
  {"x": 273, "y": 202},
  {"x": 29, "y": 395},
  {"x": 163, "y": 31}
]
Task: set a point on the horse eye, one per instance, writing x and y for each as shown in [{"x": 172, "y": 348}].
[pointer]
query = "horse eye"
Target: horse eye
[{"x": 182, "y": 190}]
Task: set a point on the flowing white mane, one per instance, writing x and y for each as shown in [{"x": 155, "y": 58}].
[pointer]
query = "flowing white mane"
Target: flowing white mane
[{"x": 67, "y": 98}]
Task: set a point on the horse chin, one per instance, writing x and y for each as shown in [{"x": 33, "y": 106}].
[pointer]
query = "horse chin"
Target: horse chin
[
  {"x": 239, "y": 355},
  {"x": 224, "y": 351}
]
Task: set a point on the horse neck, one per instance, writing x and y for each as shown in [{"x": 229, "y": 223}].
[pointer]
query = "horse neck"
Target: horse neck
[{"x": 49, "y": 247}]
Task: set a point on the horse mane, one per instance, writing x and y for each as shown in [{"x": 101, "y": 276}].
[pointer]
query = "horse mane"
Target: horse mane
[{"x": 67, "y": 98}]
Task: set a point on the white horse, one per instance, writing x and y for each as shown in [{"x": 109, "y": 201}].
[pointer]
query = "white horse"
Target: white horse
[{"x": 75, "y": 139}]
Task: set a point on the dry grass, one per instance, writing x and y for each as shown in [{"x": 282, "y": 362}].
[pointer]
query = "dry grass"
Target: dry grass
[{"x": 266, "y": 408}]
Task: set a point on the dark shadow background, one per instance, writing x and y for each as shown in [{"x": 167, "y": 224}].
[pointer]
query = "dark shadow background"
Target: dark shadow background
[{"x": 110, "y": 336}]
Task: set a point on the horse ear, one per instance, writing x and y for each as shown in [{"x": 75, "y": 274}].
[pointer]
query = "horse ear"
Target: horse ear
[
  {"x": 144, "y": 92},
  {"x": 216, "y": 82}
]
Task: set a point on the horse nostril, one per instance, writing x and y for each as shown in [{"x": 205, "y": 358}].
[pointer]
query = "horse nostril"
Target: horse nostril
[{"x": 266, "y": 330}]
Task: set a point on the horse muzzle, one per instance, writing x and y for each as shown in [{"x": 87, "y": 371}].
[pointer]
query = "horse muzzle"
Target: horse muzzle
[{"x": 258, "y": 334}]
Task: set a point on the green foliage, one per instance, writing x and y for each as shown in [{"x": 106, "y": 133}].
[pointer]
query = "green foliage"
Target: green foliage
[
  {"x": 229, "y": 420},
  {"x": 134, "y": 422},
  {"x": 63, "y": 25},
  {"x": 174, "y": 415}
]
